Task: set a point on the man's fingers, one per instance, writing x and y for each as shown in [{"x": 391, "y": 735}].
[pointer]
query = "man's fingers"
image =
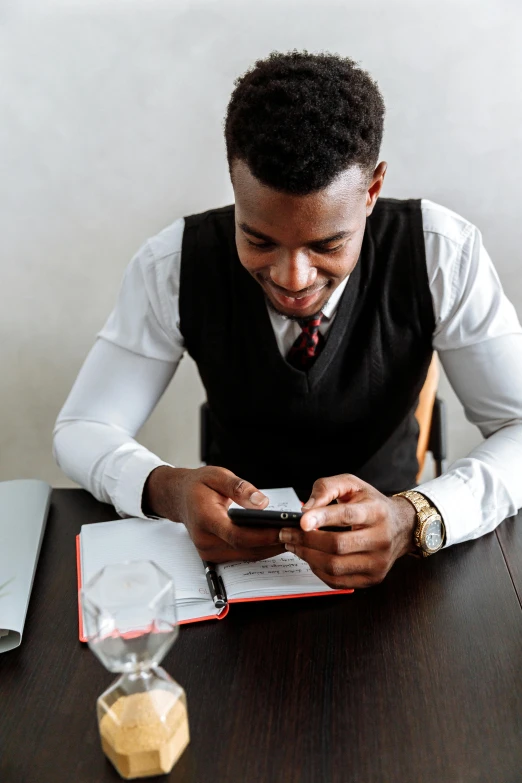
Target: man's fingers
[
  {"x": 362, "y": 512},
  {"x": 210, "y": 500},
  {"x": 221, "y": 554},
  {"x": 248, "y": 538},
  {"x": 215, "y": 520},
  {"x": 334, "y": 566},
  {"x": 326, "y": 490},
  {"x": 347, "y": 543},
  {"x": 237, "y": 489},
  {"x": 352, "y": 582},
  {"x": 208, "y": 544}
]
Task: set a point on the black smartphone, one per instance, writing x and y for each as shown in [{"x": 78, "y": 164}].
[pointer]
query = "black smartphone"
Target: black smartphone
[{"x": 252, "y": 518}]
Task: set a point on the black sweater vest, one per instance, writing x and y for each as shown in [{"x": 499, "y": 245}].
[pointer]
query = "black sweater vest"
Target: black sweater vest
[{"x": 353, "y": 412}]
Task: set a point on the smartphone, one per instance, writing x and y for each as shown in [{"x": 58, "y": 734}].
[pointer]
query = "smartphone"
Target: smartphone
[{"x": 251, "y": 517}]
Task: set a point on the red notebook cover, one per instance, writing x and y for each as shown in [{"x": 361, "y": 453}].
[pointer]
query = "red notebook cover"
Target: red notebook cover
[{"x": 220, "y": 616}]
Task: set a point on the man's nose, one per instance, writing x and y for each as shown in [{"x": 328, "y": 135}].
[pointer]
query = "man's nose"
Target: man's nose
[{"x": 293, "y": 272}]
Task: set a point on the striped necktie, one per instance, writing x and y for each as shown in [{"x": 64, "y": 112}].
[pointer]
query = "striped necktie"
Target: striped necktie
[{"x": 308, "y": 345}]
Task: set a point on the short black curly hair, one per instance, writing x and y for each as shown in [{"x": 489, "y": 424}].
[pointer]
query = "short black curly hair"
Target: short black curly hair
[{"x": 298, "y": 119}]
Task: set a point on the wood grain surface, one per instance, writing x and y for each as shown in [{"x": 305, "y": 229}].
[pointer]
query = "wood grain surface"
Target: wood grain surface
[
  {"x": 509, "y": 535},
  {"x": 416, "y": 680}
]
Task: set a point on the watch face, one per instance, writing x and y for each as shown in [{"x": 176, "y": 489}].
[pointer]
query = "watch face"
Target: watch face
[{"x": 432, "y": 535}]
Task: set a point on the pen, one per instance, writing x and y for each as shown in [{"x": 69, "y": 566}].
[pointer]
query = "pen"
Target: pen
[{"x": 215, "y": 585}]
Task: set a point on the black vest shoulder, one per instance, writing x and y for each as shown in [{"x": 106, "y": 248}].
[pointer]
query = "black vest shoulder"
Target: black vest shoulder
[{"x": 353, "y": 411}]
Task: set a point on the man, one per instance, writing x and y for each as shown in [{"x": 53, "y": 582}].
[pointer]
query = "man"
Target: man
[{"x": 312, "y": 310}]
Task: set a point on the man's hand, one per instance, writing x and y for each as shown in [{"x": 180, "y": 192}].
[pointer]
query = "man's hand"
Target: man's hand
[
  {"x": 381, "y": 531},
  {"x": 200, "y": 499}
]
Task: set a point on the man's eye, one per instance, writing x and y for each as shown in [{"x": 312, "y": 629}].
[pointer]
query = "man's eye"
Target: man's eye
[
  {"x": 327, "y": 249},
  {"x": 261, "y": 245}
]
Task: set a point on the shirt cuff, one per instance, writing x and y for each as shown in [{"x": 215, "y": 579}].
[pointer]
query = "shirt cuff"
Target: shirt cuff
[
  {"x": 458, "y": 507},
  {"x": 131, "y": 481}
]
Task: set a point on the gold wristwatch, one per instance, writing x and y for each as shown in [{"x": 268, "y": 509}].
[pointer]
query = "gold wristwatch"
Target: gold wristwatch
[{"x": 429, "y": 534}]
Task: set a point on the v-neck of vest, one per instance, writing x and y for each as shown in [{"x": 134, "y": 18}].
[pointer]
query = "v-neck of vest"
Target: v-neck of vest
[{"x": 304, "y": 381}]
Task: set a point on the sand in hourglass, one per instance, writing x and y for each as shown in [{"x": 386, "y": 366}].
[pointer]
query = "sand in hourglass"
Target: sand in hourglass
[{"x": 144, "y": 734}]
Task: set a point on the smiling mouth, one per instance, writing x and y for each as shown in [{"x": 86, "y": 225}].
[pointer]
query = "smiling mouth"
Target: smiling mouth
[{"x": 299, "y": 301}]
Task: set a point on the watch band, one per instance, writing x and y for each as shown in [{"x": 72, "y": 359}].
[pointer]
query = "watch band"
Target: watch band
[
  {"x": 417, "y": 499},
  {"x": 425, "y": 510}
]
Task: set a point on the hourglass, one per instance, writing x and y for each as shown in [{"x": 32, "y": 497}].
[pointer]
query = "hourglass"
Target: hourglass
[{"x": 130, "y": 624}]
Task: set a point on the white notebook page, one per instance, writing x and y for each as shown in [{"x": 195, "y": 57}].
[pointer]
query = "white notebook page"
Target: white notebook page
[
  {"x": 166, "y": 543},
  {"x": 284, "y": 574}
]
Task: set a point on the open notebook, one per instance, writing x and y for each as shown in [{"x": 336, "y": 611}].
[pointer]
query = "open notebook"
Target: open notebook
[{"x": 169, "y": 545}]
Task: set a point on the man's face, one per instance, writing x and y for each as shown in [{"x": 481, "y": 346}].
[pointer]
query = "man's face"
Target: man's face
[{"x": 299, "y": 248}]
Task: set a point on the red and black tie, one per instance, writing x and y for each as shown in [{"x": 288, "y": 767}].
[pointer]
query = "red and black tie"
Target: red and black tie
[{"x": 308, "y": 345}]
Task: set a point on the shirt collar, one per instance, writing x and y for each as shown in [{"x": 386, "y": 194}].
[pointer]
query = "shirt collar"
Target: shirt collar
[{"x": 331, "y": 306}]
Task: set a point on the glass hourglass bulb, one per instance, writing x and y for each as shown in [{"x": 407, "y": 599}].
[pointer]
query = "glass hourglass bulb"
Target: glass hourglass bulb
[{"x": 130, "y": 624}]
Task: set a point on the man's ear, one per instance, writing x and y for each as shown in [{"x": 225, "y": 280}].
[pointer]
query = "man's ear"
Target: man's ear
[{"x": 375, "y": 186}]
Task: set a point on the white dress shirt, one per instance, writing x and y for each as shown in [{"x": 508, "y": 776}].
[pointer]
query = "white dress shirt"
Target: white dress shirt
[{"x": 477, "y": 336}]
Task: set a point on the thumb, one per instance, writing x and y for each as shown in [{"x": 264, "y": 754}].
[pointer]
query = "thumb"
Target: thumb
[
  {"x": 237, "y": 489},
  {"x": 341, "y": 487}
]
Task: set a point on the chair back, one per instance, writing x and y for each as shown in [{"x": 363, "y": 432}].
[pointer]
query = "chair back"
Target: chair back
[{"x": 424, "y": 412}]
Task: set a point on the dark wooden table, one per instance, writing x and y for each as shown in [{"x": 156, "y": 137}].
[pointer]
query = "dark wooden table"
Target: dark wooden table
[{"x": 416, "y": 680}]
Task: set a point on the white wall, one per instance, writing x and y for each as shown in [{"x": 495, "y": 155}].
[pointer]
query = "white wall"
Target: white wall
[{"x": 111, "y": 127}]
